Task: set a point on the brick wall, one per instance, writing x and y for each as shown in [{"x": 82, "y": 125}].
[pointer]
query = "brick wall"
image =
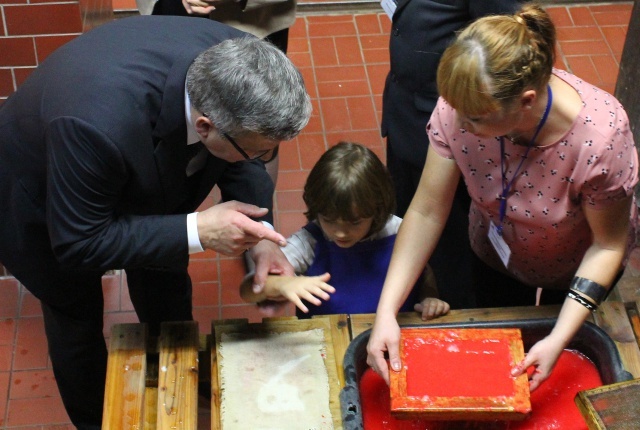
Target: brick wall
[{"x": 31, "y": 30}]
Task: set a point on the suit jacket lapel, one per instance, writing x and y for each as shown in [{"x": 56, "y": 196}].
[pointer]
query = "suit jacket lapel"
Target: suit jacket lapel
[
  {"x": 171, "y": 115},
  {"x": 181, "y": 193},
  {"x": 171, "y": 161},
  {"x": 170, "y": 137}
]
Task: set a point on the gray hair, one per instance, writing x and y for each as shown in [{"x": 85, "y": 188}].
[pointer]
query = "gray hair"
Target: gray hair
[{"x": 247, "y": 85}]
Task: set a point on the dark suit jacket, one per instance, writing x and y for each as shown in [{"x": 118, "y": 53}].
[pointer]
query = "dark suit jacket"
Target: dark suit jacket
[
  {"x": 421, "y": 31},
  {"x": 93, "y": 152}
]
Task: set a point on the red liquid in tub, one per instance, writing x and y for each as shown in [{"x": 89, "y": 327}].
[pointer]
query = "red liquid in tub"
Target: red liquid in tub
[{"x": 552, "y": 403}]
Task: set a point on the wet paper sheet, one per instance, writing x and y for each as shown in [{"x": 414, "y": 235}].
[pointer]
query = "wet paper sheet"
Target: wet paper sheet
[
  {"x": 274, "y": 381},
  {"x": 460, "y": 374}
]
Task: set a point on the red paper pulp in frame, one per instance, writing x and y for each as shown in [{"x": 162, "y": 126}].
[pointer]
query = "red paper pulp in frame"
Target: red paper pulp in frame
[{"x": 460, "y": 374}]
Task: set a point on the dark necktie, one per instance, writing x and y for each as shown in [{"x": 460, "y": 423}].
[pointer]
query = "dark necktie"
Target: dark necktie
[{"x": 197, "y": 156}]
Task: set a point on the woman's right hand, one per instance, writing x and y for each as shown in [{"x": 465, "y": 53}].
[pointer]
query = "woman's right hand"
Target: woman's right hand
[{"x": 384, "y": 337}]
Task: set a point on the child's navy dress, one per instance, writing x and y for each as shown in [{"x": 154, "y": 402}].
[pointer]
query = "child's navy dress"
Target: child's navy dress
[{"x": 357, "y": 274}]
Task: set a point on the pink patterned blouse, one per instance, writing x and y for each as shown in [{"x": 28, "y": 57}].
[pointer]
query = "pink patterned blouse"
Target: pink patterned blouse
[{"x": 545, "y": 227}]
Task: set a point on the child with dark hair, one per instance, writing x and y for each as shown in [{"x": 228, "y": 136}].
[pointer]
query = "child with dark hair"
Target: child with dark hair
[{"x": 349, "y": 239}]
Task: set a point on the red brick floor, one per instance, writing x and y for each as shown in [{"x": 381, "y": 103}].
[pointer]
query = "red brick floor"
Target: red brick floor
[{"x": 344, "y": 60}]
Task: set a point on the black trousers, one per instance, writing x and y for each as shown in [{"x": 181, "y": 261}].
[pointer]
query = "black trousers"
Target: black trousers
[
  {"x": 452, "y": 259},
  {"x": 495, "y": 289},
  {"x": 78, "y": 353}
]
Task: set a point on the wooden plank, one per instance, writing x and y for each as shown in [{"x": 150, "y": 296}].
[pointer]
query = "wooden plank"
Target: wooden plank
[
  {"x": 332, "y": 362},
  {"x": 150, "y": 411},
  {"x": 363, "y": 322},
  {"x": 613, "y": 319},
  {"x": 231, "y": 321},
  {"x": 588, "y": 413},
  {"x": 611, "y": 407},
  {"x": 626, "y": 290},
  {"x": 340, "y": 339},
  {"x": 150, "y": 408},
  {"x": 178, "y": 376},
  {"x": 634, "y": 319},
  {"x": 204, "y": 359},
  {"x": 125, "y": 382},
  {"x": 216, "y": 391},
  {"x": 282, "y": 318}
]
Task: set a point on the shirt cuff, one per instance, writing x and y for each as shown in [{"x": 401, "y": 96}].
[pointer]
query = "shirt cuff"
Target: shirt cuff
[
  {"x": 266, "y": 224},
  {"x": 192, "y": 233}
]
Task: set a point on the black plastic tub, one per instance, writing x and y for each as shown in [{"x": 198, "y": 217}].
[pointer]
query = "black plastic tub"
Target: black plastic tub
[{"x": 591, "y": 341}]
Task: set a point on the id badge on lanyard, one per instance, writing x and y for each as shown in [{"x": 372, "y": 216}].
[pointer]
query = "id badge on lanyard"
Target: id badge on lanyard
[
  {"x": 499, "y": 244},
  {"x": 495, "y": 232}
]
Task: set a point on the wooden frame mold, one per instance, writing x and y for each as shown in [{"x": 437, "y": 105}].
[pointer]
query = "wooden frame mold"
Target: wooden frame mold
[{"x": 460, "y": 374}]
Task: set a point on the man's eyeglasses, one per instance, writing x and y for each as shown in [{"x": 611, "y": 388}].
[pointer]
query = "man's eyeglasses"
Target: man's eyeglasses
[{"x": 246, "y": 156}]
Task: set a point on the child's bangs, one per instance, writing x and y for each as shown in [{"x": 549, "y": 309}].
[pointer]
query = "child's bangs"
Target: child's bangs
[{"x": 350, "y": 206}]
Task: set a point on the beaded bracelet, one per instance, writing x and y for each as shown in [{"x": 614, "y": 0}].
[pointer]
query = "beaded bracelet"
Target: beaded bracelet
[
  {"x": 588, "y": 288},
  {"x": 578, "y": 298}
]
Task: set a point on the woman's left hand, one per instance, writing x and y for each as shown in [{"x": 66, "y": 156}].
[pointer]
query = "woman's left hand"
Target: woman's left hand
[{"x": 543, "y": 356}]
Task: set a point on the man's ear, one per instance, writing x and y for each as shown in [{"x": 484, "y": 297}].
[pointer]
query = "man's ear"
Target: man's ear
[{"x": 204, "y": 126}]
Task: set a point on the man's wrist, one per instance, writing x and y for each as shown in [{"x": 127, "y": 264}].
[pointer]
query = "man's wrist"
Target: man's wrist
[{"x": 192, "y": 234}]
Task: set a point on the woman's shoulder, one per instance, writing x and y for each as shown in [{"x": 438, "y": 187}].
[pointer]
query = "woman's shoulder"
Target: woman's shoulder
[
  {"x": 591, "y": 95},
  {"x": 601, "y": 114}
]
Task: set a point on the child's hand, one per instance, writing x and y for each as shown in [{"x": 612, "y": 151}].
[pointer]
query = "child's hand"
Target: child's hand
[
  {"x": 431, "y": 308},
  {"x": 309, "y": 288},
  {"x": 272, "y": 308}
]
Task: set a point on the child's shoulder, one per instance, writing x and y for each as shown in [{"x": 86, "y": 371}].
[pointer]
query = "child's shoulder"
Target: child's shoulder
[
  {"x": 391, "y": 227},
  {"x": 308, "y": 233}
]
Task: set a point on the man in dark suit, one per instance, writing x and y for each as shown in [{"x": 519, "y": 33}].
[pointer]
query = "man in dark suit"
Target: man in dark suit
[
  {"x": 421, "y": 31},
  {"x": 95, "y": 175}
]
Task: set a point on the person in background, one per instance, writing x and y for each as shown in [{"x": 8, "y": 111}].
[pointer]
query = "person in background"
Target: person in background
[
  {"x": 348, "y": 241},
  {"x": 106, "y": 152},
  {"x": 550, "y": 164},
  {"x": 421, "y": 31},
  {"x": 269, "y": 19}
]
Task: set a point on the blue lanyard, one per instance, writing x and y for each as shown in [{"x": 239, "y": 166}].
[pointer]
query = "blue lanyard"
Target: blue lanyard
[{"x": 506, "y": 188}]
